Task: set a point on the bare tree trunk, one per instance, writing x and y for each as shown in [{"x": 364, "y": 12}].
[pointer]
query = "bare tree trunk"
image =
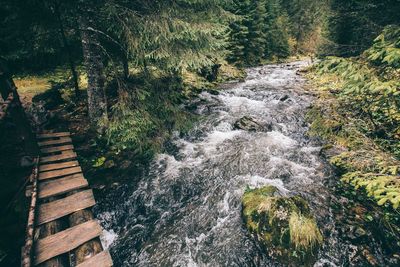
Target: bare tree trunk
[
  {"x": 92, "y": 53},
  {"x": 67, "y": 48}
]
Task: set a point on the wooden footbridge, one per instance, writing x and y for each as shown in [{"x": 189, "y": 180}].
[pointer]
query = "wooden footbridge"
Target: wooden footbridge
[{"x": 61, "y": 229}]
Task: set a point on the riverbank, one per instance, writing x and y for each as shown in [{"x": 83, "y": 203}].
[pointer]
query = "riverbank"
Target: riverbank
[{"x": 365, "y": 169}]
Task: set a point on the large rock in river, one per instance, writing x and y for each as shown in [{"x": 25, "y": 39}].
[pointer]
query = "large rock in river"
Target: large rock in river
[
  {"x": 249, "y": 124},
  {"x": 284, "y": 226}
]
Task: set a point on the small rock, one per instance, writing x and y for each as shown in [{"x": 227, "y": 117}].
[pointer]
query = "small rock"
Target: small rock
[
  {"x": 26, "y": 161},
  {"x": 109, "y": 164},
  {"x": 213, "y": 91},
  {"x": 284, "y": 98},
  {"x": 115, "y": 185}
]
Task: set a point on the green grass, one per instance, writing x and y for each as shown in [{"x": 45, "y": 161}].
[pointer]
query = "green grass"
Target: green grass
[{"x": 304, "y": 232}]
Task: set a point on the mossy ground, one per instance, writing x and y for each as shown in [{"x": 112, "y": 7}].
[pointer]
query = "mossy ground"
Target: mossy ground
[
  {"x": 283, "y": 225},
  {"x": 368, "y": 171}
]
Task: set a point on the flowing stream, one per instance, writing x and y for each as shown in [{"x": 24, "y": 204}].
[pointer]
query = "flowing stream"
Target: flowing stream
[{"x": 186, "y": 211}]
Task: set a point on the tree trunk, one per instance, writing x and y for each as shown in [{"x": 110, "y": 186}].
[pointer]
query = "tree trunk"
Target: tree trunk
[
  {"x": 92, "y": 53},
  {"x": 67, "y": 48}
]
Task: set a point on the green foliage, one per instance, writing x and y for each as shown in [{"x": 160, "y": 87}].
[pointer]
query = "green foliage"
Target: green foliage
[
  {"x": 259, "y": 32},
  {"x": 172, "y": 35},
  {"x": 142, "y": 119},
  {"x": 352, "y": 24},
  {"x": 365, "y": 118},
  {"x": 30, "y": 38},
  {"x": 305, "y": 20},
  {"x": 276, "y": 31},
  {"x": 382, "y": 187},
  {"x": 99, "y": 162}
]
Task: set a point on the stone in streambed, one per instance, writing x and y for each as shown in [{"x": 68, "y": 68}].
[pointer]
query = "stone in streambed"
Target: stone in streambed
[
  {"x": 249, "y": 124},
  {"x": 284, "y": 98},
  {"x": 284, "y": 226}
]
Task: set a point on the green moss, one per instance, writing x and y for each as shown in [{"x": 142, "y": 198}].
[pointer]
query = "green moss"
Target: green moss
[
  {"x": 365, "y": 164},
  {"x": 283, "y": 225}
]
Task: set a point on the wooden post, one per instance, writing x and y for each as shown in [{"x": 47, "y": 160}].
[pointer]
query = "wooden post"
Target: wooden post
[{"x": 27, "y": 249}]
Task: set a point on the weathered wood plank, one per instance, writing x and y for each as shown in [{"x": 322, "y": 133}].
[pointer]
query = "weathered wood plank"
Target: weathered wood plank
[
  {"x": 57, "y": 166},
  {"x": 62, "y": 185},
  {"x": 102, "y": 259},
  {"x": 61, "y": 140},
  {"x": 59, "y": 173},
  {"x": 59, "y": 208},
  {"x": 65, "y": 241},
  {"x": 69, "y": 154},
  {"x": 56, "y": 149},
  {"x": 53, "y": 135},
  {"x": 88, "y": 249}
]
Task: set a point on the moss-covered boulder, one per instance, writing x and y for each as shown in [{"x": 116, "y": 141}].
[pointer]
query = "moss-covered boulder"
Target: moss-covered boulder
[{"x": 283, "y": 225}]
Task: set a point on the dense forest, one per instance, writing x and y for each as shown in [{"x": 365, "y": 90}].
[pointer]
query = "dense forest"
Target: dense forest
[{"x": 127, "y": 77}]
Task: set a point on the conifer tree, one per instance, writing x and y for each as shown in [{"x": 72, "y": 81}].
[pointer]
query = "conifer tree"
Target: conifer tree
[
  {"x": 238, "y": 33},
  {"x": 254, "y": 50},
  {"x": 247, "y": 37},
  {"x": 276, "y": 33}
]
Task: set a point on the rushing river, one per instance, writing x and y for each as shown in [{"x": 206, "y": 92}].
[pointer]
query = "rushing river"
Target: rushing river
[{"x": 186, "y": 211}]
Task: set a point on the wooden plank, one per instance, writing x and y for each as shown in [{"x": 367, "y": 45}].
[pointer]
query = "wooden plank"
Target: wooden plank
[
  {"x": 65, "y": 241},
  {"x": 61, "y": 140},
  {"x": 56, "y": 166},
  {"x": 69, "y": 154},
  {"x": 53, "y": 149},
  {"x": 102, "y": 259},
  {"x": 62, "y": 185},
  {"x": 59, "y": 173},
  {"x": 53, "y": 135},
  {"x": 65, "y": 206}
]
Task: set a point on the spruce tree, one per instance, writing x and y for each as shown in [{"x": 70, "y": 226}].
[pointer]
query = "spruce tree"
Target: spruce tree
[
  {"x": 276, "y": 33},
  {"x": 238, "y": 33},
  {"x": 246, "y": 36},
  {"x": 254, "y": 50}
]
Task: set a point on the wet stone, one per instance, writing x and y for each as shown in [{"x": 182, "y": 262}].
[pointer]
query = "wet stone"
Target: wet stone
[
  {"x": 284, "y": 98},
  {"x": 284, "y": 226},
  {"x": 248, "y": 124}
]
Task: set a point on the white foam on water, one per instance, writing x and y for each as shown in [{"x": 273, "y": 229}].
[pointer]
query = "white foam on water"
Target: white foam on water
[
  {"x": 216, "y": 138},
  {"x": 223, "y": 127},
  {"x": 256, "y": 181},
  {"x": 172, "y": 166},
  {"x": 243, "y": 104},
  {"x": 281, "y": 140},
  {"x": 107, "y": 238}
]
